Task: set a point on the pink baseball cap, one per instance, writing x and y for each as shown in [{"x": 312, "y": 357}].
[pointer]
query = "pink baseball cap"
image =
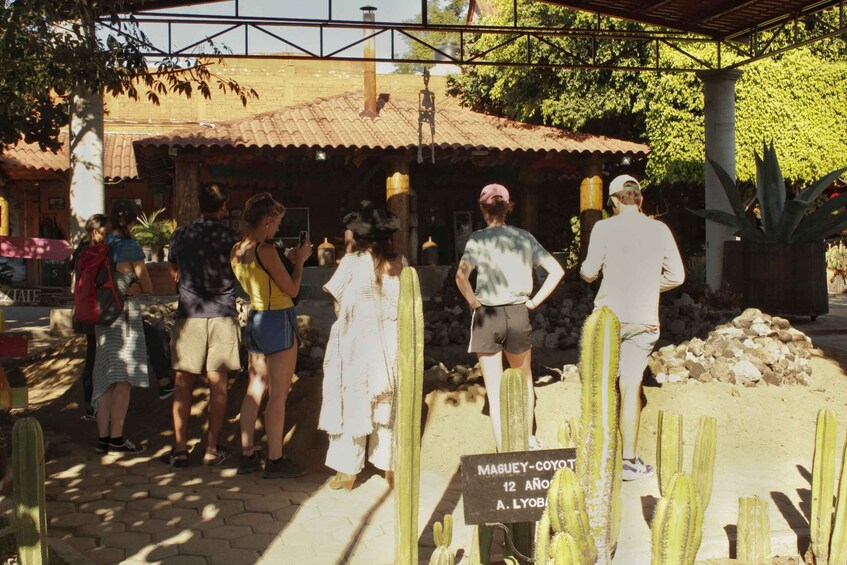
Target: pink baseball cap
[{"x": 492, "y": 191}]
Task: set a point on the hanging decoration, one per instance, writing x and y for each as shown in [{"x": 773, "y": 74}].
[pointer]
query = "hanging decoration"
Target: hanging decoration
[{"x": 426, "y": 115}]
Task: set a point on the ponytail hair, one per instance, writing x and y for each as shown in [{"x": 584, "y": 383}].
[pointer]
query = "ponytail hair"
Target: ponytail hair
[{"x": 123, "y": 213}]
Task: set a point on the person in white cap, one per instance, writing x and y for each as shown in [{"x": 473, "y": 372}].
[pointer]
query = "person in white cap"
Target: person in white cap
[
  {"x": 639, "y": 259},
  {"x": 504, "y": 258}
]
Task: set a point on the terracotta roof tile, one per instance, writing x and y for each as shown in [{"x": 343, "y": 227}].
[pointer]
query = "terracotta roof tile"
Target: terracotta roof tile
[
  {"x": 335, "y": 122},
  {"x": 119, "y": 157}
]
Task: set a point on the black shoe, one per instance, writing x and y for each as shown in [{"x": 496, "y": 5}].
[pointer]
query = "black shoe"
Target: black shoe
[
  {"x": 250, "y": 464},
  {"x": 89, "y": 415},
  {"x": 126, "y": 447},
  {"x": 166, "y": 390},
  {"x": 283, "y": 468},
  {"x": 102, "y": 447}
]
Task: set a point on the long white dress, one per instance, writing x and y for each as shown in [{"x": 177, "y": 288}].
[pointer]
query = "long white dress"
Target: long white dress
[{"x": 360, "y": 367}]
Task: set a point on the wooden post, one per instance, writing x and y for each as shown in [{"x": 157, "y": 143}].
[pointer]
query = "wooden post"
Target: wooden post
[
  {"x": 186, "y": 183},
  {"x": 529, "y": 209},
  {"x": 590, "y": 203},
  {"x": 400, "y": 200},
  {"x": 4, "y": 214}
]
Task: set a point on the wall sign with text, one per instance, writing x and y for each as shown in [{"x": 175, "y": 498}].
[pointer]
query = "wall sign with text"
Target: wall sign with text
[{"x": 510, "y": 487}]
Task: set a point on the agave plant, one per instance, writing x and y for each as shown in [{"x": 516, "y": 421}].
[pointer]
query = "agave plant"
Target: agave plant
[
  {"x": 783, "y": 220},
  {"x": 153, "y": 233}
]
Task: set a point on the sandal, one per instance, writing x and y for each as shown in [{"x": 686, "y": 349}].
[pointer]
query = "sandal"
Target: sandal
[
  {"x": 176, "y": 459},
  {"x": 220, "y": 454}
]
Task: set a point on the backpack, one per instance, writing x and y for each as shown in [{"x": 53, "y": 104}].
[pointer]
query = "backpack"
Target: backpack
[{"x": 98, "y": 296}]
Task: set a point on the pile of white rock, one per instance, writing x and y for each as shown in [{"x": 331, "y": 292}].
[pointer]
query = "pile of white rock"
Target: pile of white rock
[{"x": 753, "y": 348}]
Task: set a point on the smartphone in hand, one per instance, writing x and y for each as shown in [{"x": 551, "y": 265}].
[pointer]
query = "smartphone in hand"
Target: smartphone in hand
[{"x": 304, "y": 235}]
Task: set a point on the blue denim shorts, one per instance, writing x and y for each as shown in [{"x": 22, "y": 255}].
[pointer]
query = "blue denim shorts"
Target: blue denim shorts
[{"x": 270, "y": 331}]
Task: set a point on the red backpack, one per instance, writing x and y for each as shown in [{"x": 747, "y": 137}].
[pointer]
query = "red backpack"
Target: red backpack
[{"x": 97, "y": 296}]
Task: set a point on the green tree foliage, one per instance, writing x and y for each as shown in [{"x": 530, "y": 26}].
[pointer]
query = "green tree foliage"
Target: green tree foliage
[
  {"x": 440, "y": 12},
  {"x": 46, "y": 52},
  {"x": 797, "y": 99}
]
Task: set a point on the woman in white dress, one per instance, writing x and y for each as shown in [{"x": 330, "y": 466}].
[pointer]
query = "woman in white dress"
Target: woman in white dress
[{"x": 360, "y": 365}]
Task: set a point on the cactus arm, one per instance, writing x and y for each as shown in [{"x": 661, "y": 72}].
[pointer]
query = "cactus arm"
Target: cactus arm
[
  {"x": 448, "y": 530},
  {"x": 568, "y": 433},
  {"x": 436, "y": 534},
  {"x": 30, "y": 500},
  {"x": 754, "y": 531},
  {"x": 442, "y": 533},
  {"x": 616, "y": 496},
  {"x": 838, "y": 546},
  {"x": 668, "y": 448},
  {"x": 703, "y": 470},
  {"x": 542, "y": 538},
  {"x": 823, "y": 480},
  {"x": 408, "y": 417},
  {"x": 599, "y": 358},
  {"x": 566, "y": 510}
]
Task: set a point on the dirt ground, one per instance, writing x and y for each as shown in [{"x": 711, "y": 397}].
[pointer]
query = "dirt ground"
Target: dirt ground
[{"x": 765, "y": 433}]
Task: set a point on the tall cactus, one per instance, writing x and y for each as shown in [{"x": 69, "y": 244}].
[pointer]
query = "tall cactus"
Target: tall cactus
[
  {"x": 823, "y": 481},
  {"x": 514, "y": 426},
  {"x": 677, "y": 524},
  {"x": 514, "y": 420},
  {"x": 754, "y": 531},
  {"x": 408, "y": 414},
  {"x": 598, "y": 445},
  {"x": 668, "y": 448},
  {"x": 443, "y": 536},
  {"x": 28, "y": 476},
  {"x": 542, "y": 537},
  {"x": 703, "y": 470}
]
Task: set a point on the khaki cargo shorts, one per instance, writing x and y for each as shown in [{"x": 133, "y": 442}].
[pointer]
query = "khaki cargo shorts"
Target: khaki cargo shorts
[{"x": 199, "y": 345}]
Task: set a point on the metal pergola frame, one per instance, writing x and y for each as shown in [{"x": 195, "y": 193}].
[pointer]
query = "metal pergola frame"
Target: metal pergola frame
[{"x": 590, "y": 42}]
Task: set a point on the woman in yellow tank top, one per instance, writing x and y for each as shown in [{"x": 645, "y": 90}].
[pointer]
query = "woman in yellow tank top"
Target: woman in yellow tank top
[{"x": 271, "y": 335}]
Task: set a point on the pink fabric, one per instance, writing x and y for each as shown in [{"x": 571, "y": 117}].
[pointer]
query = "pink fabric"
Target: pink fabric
[{"x": 34, "y": 248}]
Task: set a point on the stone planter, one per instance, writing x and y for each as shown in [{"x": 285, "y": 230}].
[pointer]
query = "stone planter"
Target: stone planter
[
  {"x": 160, "y": 276},
  {"x": 788, "y": 280}
]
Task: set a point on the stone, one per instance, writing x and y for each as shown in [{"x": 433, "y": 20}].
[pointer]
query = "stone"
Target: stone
[
  {"x": 695, "y": 346},
  {"x": 696, "y": 370},
  {"x": 678, "y": 326},
  {"x": 551, "y": 340},
  {"x": 780, "y": 323},
  {"x": 744, "y": 372},
  {"x": 537, "y": 338},
  {"x": 568, "y": 341}
]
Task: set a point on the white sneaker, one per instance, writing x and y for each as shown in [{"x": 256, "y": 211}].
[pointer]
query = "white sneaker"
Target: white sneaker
[{"x": 635, "y": 469}]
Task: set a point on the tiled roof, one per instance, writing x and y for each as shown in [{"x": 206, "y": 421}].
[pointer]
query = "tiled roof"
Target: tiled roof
[
  {"x": 334, "y": 122},
  {"x": 119, "y": 158}
]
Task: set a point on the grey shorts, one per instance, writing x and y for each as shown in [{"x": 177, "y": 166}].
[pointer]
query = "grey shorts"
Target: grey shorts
[{"x": 495, "y": 328}]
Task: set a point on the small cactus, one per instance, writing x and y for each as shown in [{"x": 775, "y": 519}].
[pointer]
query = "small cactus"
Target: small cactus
[
  {"x": 598, "y": 445},
  {"x": 514, "y": 422},
  {"x": 565, "y": 550},
  {"x": 568, "y": 433},
  {"x": 838, "y": 546},
  {"x": 408, "y": 417},
  {"x": 703, "y": 470},
  {"x": 823, "y": 481},
  {"x": 677, "y": 524},
  {"x": 542, "y": 537},
  {"x": 566, "y": 509},
  {"x": 442, "y": 533},
  {"x": 515, "y": 437},
  {"x": 754, "y": 531},
  {"x": 30, "y": 502},
  {"x": 668, "y": 448}
]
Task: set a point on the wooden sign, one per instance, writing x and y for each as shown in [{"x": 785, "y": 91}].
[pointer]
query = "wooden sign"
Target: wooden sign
[{"x": 510, "y": 487}]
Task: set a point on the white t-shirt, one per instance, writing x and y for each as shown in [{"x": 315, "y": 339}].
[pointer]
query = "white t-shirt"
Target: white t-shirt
[
  {"x": 503, "y": 257},
  {"x": 639, "y": 259}
]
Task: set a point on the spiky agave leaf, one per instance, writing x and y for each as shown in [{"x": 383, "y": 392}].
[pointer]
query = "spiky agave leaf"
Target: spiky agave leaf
[{"x": 770, "y": 189}]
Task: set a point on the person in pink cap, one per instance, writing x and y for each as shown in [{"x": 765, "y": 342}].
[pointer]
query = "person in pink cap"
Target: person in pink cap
[{"x": 504, "y": 258}]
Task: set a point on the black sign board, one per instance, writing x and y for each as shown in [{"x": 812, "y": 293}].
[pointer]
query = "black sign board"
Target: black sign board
[{"x": 510, "y": 487}]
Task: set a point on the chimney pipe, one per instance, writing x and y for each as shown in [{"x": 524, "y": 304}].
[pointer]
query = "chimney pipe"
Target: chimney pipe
[{"x": 369, "y": 63}]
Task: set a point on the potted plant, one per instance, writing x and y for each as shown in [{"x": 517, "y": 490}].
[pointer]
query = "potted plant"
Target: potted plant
[
  {"x": 155, "y": 234},
  {"x": 779, "y": 266}
]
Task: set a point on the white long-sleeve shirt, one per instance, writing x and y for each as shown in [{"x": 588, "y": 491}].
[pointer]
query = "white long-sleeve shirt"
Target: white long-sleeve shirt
[{"x": 639, "y": 259}]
